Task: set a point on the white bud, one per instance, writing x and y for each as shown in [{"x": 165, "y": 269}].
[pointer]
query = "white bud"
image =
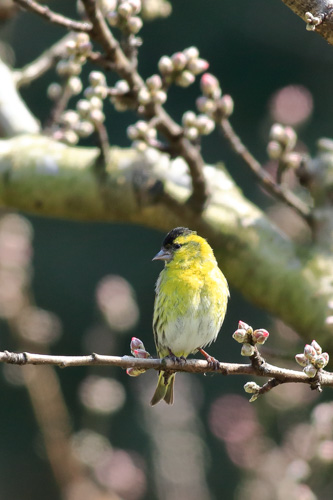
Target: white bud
[
  {"x": 122, "y": 86},
  {"x": 310, "y": 370},
  {"x": 144, "y": 96},
  {"x": 154, "y": 82},
  {"x": 96, "y": 103},
  {"x": 247, "y": 350},
  {"x": 197, "y": 66},
  {"x": 274, "y": 150},
  {"x": 70, "y": 137},
  {"x": 83, "y": 107},
  {"x": 160, "y": 97},
  {"x": 205, "y": 125},
  {"x": 84, "y": 128},
  {"x": 89, "y": 92},
  {"x": 125, "y": 10},
  {"x": 71, "y": 47},
  {"x": 251, "y": 387},
  {"x": 70, "y": 118},
  {"x": 178, "y": 60},
  {"x": 189, "y": 119},
  {"x": 97, "y": 116},
  {"x": 315, "y": 344},
  {"x": 165, "y": 65},
  {"x": 191, "y": 133},
  {"x": 191, "y": 53},
  {"x": 132, "y": 132},
  {"x": 97, "y": 78},
  {"x": 54, "y": 91},
  {"x": 185, "y": 79},
  {"x": 136, "y": 6},
  {"x": 134, "y": 24},
  {"x": 112, "y": 18},
  {"x": 101, "y": 92},
  {"x": 75, "y": 85},
  {"x": 277, "y": 132}
]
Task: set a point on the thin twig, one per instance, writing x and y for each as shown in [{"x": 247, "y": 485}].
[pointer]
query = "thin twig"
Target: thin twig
[
  {"x": 104, "y": 143},
  {"x": 265, "y": 179},
  {"x": 283, "y": 375},
  {"x": 58, "y": 109},
  {"x": 42, "y": 64},
  {"x": 54, "y": 17}
]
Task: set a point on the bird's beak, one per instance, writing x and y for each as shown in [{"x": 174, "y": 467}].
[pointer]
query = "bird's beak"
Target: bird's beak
[{"x": 163, "y": 254}]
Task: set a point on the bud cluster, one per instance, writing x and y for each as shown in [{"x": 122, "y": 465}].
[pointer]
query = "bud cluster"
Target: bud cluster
[
  {"x": 281, "y": 144},
  {"x": 196, "y": 125},
  {"x": 246, "y": 336},
  {"x": 123, "y": 14},
  {"x": 138, "y": 351},
  {"x": 70, "y": 67},
  {"x": 142, "y": 133},
  {"x": 312, "y": 359},
  {"x": 182, "y": 67},
  {"x": 211, "y": 102},
  {"x": 89, "y": 112},
  {"x": 152, "y": 91}
]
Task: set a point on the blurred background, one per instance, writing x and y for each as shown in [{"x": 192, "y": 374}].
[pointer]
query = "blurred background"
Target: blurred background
[{"x": 89, "y": 433}]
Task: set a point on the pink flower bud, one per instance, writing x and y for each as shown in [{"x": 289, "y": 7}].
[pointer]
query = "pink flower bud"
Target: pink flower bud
[
  {"x": 179, "y": 61},
  {"x": 260, "y": 336},
  {"x": 310, "y": 352},
  {"x": 245, "y": 326},
  {"x": 210, "y": 86},
  {"x": 315, "y": 344},
  {"x": 322, "y": 360},
  {"x": 197, "y": 66},
  {"x": 301, "y": 359},
  {"x": 136, "y": 344},
  {"x": 141, "y": 353},
  {"x": 226, "y": 105},
  {"x": 240, "y": 335}
]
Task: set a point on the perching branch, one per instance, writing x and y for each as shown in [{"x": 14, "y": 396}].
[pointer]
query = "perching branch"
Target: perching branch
[{"x": 282, "y": 375}]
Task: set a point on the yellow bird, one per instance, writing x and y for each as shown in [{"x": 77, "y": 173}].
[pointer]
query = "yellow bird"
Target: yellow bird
[{"x": 190, "y": 303}]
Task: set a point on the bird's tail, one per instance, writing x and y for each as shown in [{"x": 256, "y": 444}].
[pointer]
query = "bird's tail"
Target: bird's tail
[{"x": 164, "y": 389}]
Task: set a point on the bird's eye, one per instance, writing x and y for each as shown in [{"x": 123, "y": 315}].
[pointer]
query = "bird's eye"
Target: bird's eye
[{"x": 176, "y": 246}]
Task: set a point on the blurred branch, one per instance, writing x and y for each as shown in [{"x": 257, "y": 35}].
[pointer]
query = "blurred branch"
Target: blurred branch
[
  {"x": 318, "y": 14},
  {"x": 15, "y": 117},
  {"x": 54, "y": 17},
  {"x": 43, "y": 63},
  {"x": 265, "y": 179},
  {"x": 282, "y": 375},
  {"x": 44, "y": 177}
]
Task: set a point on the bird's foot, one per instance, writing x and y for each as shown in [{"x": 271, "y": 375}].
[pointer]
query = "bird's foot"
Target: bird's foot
[
  {"x": 180, "y": 360},
  {"x": 212, "y": 362}
]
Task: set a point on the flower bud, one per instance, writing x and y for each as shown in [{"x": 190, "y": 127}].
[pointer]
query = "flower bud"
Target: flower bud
[
  {"x": 322, "y": 360},
  {"x": 96, "y": 103},
  {"x": 70, "y": 118},
  {"x": 141, "y": 353},
  {"x": 83, "y": 107},
  {"x": 70, "y": 137},
  {"x": 210, "y": 86},
  {"x": 310, "y": 352},
  {"x": 247, "y": 350},
  {"x": 112, "y": 18},
  {"x": 134, "y": 24},
  {"x": 134, "y": 372},
  {"x": 185, "y": 79},
  {"x": 97, "y": 78},
  {"x": 197, "y": 66},
  {"x": 160, "y": 97},
  {"x": 245, "y": 326},
  {"x": 205, "y": 105},
  {"x": 54, "y": 91},
  {"x": 292, "y": 159},
  {"x": 191, "y": 53},
  {"x": 84, "y": 128},
  {"x": 310, "y": 370},
  {"x": 189, "y": 119},
  {"x": 301, "y": 359},
  {"x": 226, "y": 105},
  {"x": 122, "y": 86},
  {"x": 75, "y": 85},
  {"x": 179, "y": 61},
  {"x": 96, "y": 116},
  {"x": 71, "y": 47},
  {"x": 240, "y": 335},
  {"x": 136, "y": 6},
  {"x": 125, "y": 10},
  {"x": 204, "y": 124},
  {"x": 254, "y": 397},
  {"x": 154, "y": 82},
  {"x": 274, "y": 150},
  {"x": 132, "y": 132},
  {"x": 260, "y": 336},
  {"x": 136, "y": 344},
  {"x": 165, "y": 65},
  {"x": 315, "y": 344},
  {"x": 251, "y": 387},
  {"x": 277, "y": 132},
  {"x": 290, "y": 137},
  {"x": 100, "y": 91},
  {"x": 191, "y": 133},
  {"x": 144, "y": 96}
]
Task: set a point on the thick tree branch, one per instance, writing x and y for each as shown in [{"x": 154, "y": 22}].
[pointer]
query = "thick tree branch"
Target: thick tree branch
[
  {"x": 43, "y": 177},
  {"x": 282, "y": 375}
]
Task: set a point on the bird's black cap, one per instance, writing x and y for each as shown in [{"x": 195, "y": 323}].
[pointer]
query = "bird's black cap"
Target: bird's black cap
[{"x": 174, "y": 233}]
